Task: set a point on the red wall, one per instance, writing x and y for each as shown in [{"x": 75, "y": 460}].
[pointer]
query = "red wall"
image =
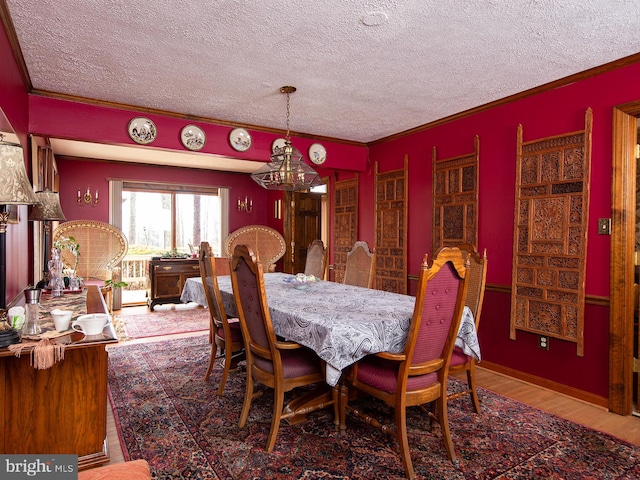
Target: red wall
[
  {"x": 80, "y": 121},
  {"x": 77, "y": 174},
  {"x": 551, "y": 113},
  {"x": 555, "y": 112},
  {"x": 14, "y": 105}
]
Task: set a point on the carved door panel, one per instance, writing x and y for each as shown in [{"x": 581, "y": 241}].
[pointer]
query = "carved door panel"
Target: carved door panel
[
  {"x": 345, "y": 214},
  {"x": 550, "y": 240},
  {"x": 455, "y": 200},
  {"x": 391, "y": 230}
]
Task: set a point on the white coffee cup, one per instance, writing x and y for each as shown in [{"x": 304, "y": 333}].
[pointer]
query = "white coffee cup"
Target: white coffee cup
[
  {"x": 91, "y": 324},
  {"x": 61, "y": 319}
]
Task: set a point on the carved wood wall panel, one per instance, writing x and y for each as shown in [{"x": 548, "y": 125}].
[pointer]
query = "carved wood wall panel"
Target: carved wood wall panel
[
  {"x": 345, "y": 231},
  {"x": 455, "y": 200},
  {"x": 391, "y": 230},
  {"x": 550, "y": 235}
]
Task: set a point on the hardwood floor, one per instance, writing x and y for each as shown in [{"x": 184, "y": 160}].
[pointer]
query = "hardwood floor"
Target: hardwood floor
[{"x": 625, "y": 428}]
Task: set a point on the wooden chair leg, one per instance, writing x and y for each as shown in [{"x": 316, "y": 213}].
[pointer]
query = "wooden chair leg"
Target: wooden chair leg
[
  {"x": 248, "y": 397},
  {"x": 225, "y": 371},
  {"x": 403, "y": 441},
  {"x": 443, "y": 419},
  {"x": 212, "y": 360},
  {"x": 278, "y": 405},
  {"x": 471, "y": 381}
]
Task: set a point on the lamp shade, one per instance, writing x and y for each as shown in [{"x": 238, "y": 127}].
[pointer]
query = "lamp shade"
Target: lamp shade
[
  {"x": 48, "y": 208},
  {"x": 15, "y": 188}
]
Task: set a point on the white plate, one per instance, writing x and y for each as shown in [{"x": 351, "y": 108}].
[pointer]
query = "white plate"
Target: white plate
[
  {"x": 142, "y": 130},
  {"x": 192, "y": 137},
  {"x": 240, "y": 139},
  {"x": 317, "y": 154},
  {"x": 277, "y": 143}
]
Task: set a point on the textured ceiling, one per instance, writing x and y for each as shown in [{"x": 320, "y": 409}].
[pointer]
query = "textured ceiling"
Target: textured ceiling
[{"x": 227, "y": 59}]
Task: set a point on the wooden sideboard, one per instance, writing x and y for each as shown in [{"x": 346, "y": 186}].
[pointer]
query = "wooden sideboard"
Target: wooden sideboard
[
  {"x": 167, "y": 278},
  {"x": 62, "y": 409}
]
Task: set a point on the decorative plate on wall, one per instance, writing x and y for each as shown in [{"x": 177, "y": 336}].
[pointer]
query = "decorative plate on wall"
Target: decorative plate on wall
[
  {"x": 277, "y": 143},
  {"x": 240, "y": 139},
  {"x": 142, "y": 130},
  {"x": 317, "y": 154},
  {"x": 192, "y": 137}
]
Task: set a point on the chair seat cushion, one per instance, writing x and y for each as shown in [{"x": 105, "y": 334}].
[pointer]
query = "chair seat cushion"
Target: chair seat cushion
[
  {"x": 295, "y": 363},
  {"x": 382, "y": 374},
  {"x": 459, "y": 357},
  {"x": 236, "y": 333}
]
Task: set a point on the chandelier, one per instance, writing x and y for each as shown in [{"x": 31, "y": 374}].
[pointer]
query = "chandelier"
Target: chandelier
[{"x": 287, "y": 169}]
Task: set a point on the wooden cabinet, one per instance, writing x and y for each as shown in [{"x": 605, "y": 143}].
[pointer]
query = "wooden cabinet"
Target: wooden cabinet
[
  {"x": 62, "y": 409},
  {"x": 167, "y": 278}
]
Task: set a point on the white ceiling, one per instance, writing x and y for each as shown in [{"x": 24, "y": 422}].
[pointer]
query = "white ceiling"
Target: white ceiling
[{"x": 227, "y": 59}]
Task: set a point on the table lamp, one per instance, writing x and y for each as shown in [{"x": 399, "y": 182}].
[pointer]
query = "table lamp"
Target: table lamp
[
  {"x": 47, "y": 211},
  {"x": 15, "y": 189}
]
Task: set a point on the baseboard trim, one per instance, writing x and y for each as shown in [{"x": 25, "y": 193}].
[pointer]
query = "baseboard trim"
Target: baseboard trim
[{"x": 548, "y": 384}]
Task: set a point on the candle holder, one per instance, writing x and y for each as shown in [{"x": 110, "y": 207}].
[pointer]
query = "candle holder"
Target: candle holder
[
  {"x": 245, "y": 205},
  {"x": 87, "y": 198}
]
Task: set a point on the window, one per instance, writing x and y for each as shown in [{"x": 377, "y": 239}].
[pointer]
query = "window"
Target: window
[{"x": 163, "y": 219}]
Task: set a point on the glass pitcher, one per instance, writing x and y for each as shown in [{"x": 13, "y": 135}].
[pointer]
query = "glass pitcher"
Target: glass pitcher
[{"x": 56, "y": 282}]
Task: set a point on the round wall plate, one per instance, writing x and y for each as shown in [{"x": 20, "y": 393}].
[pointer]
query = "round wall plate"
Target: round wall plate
[
  {"x": 240, "y": 139},
  {"x": 192, "y": 137},
  {"x": 142, "y": 130},
  {"x": 317, "y": 154},
  {"x": 278, "y": 143}
]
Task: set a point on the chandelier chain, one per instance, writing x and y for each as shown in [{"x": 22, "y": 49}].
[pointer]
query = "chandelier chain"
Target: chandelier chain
[{"x": 288, "y": 116}]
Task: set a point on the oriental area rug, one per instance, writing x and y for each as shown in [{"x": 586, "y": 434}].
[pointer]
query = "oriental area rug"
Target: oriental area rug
[
  {"x": 167, "y": 414},
  {"x": 163, "y": 322}
]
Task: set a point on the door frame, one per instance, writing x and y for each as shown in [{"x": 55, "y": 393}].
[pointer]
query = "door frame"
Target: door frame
[
  {"x": 290, "y": 211},
  {"x": 623, "y": 220}
]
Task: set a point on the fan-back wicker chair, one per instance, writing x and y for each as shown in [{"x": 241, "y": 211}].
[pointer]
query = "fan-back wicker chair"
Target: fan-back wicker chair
[
  {"x": 460, "y": 362},
  {"x": 280, "y": 365},
  {"x": 360, "y": 266},
  {"x": 101, "y": 248},
  {"x": 418, "y": 375},
  {"x": 266, "y": 242},
  {"x": 101, "y": 245},
  {"x": 317, "y": 260},
  {"x": 224, "y": 333}
]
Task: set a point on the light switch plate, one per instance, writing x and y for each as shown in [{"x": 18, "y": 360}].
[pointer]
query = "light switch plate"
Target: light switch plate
[{"x": 604, "y": 226}]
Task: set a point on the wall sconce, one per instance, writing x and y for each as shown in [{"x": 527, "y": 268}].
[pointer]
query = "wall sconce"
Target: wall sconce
[
  {"x": 245, "y": 205},
  {"x": 87, "y": 198}
]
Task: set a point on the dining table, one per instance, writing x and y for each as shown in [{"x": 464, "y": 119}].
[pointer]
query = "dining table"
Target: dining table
[{"x": 341, "y": 323}]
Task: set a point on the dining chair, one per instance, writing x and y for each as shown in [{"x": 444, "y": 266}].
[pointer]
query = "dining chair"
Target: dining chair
[
  {"x": 224, "y": 333},
  {"x": 418, "y": 375},
  {"x": 101, "y": 248},
  {"x": 360, "y": 265},
  {"x": 317, "y": 260},
  {"x": 460, "y": 361},
  {"x": 279, "y": 365}
]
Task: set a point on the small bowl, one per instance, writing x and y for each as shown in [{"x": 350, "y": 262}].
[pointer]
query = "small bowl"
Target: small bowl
[
  {"x": 61, "y": 319},
  {"x": 302, "y": 281}
]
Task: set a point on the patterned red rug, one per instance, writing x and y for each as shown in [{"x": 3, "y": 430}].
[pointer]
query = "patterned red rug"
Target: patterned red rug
[
  {"x": 167, "y": 414},
  {"x": 164, "y": 322}
]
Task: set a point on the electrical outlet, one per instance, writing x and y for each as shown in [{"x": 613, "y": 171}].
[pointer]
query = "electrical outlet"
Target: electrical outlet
[{"x": 543, "y": 342}]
